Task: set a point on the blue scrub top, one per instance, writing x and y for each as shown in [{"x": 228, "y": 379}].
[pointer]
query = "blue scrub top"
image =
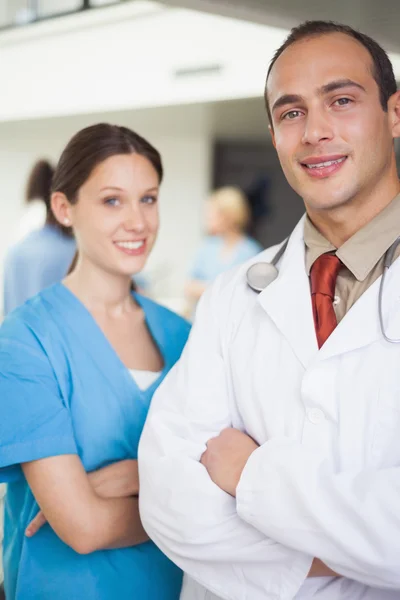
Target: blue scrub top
[
  {"x": 38, "y": 261},
  {"x": 209, "y": 261},
  {"x": 64, "y": 390}
]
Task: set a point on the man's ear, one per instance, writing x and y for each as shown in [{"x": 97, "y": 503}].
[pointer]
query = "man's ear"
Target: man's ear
[
  {"x": 271, "y": 131},
  {"x": 394, "y": 113}
]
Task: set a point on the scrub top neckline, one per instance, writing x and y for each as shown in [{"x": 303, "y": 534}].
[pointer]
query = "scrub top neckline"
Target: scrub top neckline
[
  {"x": 146, "y": 305},
  {"x": 144, "y": 379}
]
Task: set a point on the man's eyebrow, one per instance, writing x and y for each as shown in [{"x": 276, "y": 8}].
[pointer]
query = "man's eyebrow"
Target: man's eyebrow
[
  {"x": 332, "y": 86},
  {"x": 339, "y": 84},
  {"x": 287, "y": 99}
]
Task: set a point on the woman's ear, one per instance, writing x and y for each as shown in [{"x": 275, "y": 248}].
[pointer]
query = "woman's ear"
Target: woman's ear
[{"x": 61, "y": 209}]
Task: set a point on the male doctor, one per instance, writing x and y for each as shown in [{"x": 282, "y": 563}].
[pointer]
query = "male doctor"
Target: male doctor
[{"x": 270, "y": 462}]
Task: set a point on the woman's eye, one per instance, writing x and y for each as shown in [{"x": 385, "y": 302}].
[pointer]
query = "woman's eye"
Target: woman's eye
[
  {"x": 112, "y": 201},
  {"x": 149, "y": 199}
]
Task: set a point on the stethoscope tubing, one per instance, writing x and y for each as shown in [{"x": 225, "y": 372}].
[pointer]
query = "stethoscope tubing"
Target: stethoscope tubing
[{"x": 387, "y": 263}]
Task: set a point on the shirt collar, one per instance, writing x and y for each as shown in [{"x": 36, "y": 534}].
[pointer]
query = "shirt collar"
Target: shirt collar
[{"x": 364, "y": 249}]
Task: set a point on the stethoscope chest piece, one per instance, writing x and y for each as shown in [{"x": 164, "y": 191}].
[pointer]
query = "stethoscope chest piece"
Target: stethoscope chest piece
[{"x": 260, "y": 275}]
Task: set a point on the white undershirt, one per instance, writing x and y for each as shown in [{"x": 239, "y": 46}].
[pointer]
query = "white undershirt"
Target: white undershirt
[{"x": 144, "y": 379}]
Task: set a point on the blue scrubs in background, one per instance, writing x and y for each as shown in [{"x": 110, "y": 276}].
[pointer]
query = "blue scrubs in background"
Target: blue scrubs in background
[
  {"x": 64, "y": 390},
  {"x": 36, "y": 262},
  {"x": 209, "y": 261}
]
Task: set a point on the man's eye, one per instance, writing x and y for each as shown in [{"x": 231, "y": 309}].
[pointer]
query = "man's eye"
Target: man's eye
[
  {"x": 292, "y": 114},
  {"x": 343, "y": 101}
]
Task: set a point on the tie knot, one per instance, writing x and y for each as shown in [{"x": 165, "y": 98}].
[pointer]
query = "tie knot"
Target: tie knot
[{"x": 324, "y": 273}]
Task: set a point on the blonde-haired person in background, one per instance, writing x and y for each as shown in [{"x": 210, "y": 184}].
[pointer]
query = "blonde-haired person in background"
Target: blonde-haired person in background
[{"x": 226, "y": 245}]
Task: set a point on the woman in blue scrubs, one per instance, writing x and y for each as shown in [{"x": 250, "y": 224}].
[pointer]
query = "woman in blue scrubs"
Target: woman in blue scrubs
[
  {"x": 226, "y": 244},
  {"x": 79, "y": 364}
]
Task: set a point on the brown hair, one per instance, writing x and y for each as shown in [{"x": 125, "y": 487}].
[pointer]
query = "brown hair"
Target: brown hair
[
  {"x": 38, "y": 187},
  {"x": 382, "y": 69},
  {"x": 90, "y": 147}
]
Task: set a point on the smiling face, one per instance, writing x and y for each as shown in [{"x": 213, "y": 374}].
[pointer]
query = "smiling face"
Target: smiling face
[
  {"x": 115, "y": 219},
  {"x": 332, "y": 136}
]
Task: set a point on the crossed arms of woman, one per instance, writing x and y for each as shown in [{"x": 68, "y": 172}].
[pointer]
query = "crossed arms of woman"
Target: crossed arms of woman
[{"x": 87, "y": 511}]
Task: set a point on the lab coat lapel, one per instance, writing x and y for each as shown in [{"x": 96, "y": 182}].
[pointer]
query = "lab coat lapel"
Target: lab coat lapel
[
  {"x": 287, "y": 300},
  {"x": 361, "y": 326}
]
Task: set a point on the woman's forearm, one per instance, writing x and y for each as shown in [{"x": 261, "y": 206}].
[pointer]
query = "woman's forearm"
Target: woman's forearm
[
  {"x": 114, "y": 523},
  {"x": 119, "y": 480},
  {"x": 78, "y": 515},
  {"x": 124, "y": 528}
]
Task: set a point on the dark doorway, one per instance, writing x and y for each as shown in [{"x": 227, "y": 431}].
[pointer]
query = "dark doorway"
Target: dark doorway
[{"x": 255, "y": 168}]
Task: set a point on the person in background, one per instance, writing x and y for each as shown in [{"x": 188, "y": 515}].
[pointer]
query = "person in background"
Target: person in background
[
  {"x": 226, "y": 245},
  {"x": 39, "y": 257},
  {"x": 79, "y": 364}
]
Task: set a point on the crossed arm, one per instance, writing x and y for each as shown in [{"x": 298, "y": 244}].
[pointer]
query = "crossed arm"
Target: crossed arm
[
  {"x": 290, "y": 506},
  {"x": 225, "y": 458},
  {"x": 350, "y": 520},
  {"x": 91, "y": 511},
  {"x": 191, "y": 519}
]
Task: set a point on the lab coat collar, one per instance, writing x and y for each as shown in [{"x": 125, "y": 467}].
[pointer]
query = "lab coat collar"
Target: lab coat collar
[
  {"x": 360, "y": 326},
  {"x": 287, "y": 301}
]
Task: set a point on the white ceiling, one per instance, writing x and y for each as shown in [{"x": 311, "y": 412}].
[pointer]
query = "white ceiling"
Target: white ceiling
[
  {"x": 142, "y": 53},
  {"x": 95, "y": 63},
  {"x": 378, "y": 18}
]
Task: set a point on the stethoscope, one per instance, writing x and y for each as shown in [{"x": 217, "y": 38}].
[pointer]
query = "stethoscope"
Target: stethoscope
[{"x": 261, "y": 274}]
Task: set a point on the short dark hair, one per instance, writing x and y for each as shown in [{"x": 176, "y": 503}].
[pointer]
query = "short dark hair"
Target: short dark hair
[{"x": 382, "y": 69}]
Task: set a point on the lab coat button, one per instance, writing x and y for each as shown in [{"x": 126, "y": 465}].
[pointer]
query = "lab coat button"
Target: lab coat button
[{"x": 315, "y": 415}]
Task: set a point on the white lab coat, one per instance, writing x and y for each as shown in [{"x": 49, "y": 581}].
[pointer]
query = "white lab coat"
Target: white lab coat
[{"x": 325, "y": 481}]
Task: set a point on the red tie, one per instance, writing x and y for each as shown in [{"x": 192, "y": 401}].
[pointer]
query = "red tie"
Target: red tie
[{"x": 323, "y": 281}]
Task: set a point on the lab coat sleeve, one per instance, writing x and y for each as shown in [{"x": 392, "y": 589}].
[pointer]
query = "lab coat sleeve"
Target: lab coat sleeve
[
  {"x": 193, "y": 521},
  {"x": 351, "y": 521}
]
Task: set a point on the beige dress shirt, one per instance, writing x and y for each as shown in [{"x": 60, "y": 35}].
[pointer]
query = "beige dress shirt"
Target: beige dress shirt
[{"x": 362, "y": 255}]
